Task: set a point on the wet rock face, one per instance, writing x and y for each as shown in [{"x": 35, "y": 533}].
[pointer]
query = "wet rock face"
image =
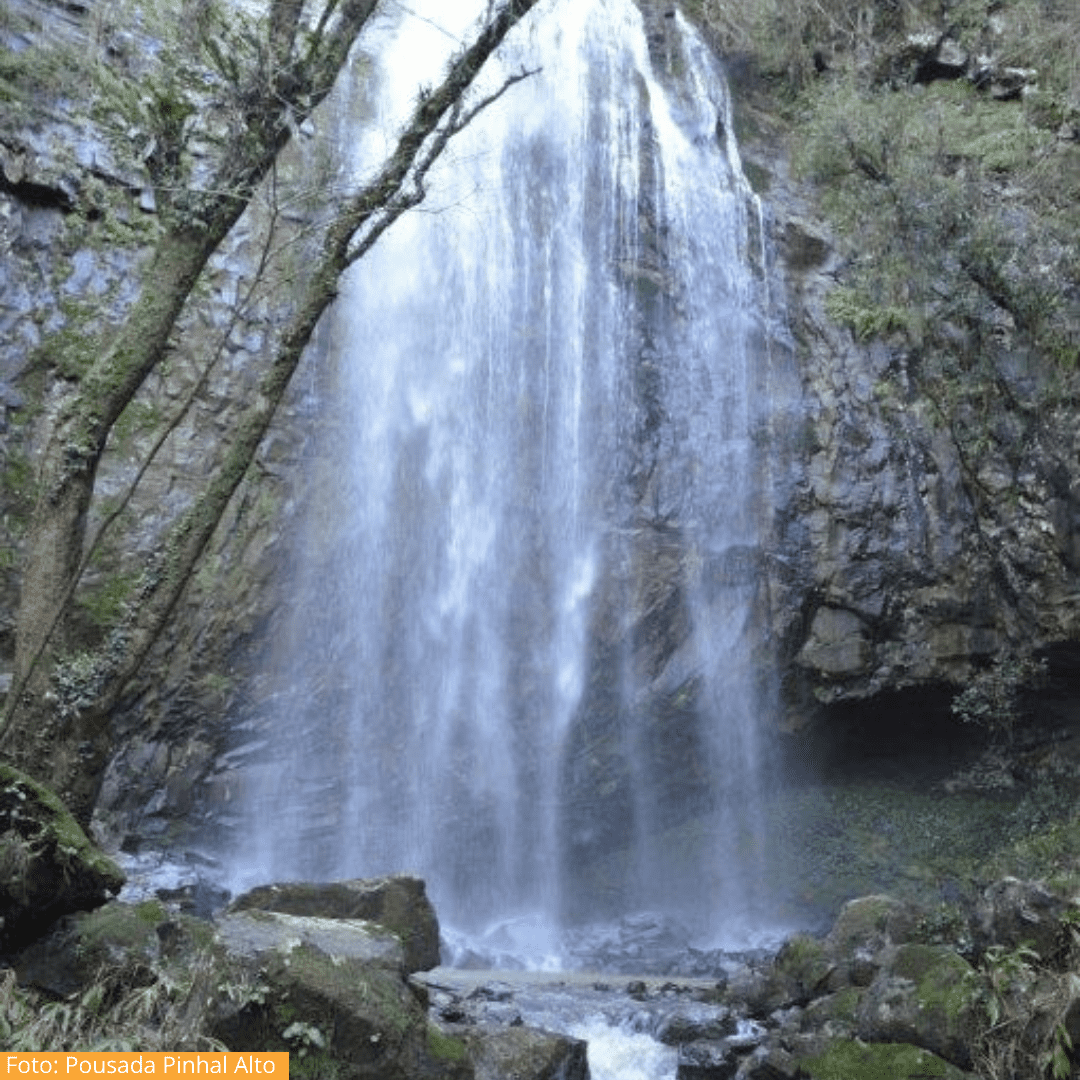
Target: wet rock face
[
  {"x": 77, "y": 220},
  {"x": 897, "y": 559}
]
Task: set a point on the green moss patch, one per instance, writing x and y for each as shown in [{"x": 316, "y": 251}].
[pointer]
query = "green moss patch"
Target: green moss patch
[
  {"x": 850, "y": 1060},
  {"x": 35, "y": 823},
  {"x": 445, "y": 1048},
  {"x": 943, "y": 979}
]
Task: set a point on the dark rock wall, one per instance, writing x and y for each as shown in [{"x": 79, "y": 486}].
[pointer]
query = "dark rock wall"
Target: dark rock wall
[{"x": 899, "y": 560}]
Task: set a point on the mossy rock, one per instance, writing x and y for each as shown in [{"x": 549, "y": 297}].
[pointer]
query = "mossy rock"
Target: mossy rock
[
  {"x": 930, "y": 965},
  {"x": 145, "y": 937},
  {"x": 330, "y": 992},
  {"x": 358, "y": 1020},
  {"x": 397, "y": 902},
  {"x": 48, "y": 866},
  {"x": 927, "y": 996},
  {"x": 867, "y": 924},
  {"x": 799, "y": 971},
  {"x": 845, "y": 1059},
  {"x": 838, "y": 1012},
  {"x": 1015, "y": 914},
  {"x": 444, "y": 1047}
]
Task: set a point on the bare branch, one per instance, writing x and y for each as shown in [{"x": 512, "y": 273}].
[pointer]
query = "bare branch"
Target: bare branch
[
  {"x": 512, "y": 80},
  {"x": 411, "y": 192}
]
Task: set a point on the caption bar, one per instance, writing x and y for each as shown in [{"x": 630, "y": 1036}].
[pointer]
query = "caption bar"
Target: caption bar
[{"x": 48, "y": 1063}]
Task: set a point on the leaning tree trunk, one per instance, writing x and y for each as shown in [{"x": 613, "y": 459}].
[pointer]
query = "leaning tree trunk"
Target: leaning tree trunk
[
  {"x": 58, "y": 741},
  {"x": 43, "y": 736}
]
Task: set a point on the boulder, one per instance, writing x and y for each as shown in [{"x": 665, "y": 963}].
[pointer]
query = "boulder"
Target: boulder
[
  {"x": 834, "y": 1014},
  {"x": 926, "y": 995},
  {"x": 799, "y": 973},
  {"x": 332, "y": 992},
  {"x": 140, "y": 939},
  {"x": 844, "y": 1059},
  {"x": 523, "y": 1053},
  {"x": 706, "y": 1060},
  {"x": 694, "y": 1021},
  {"x": 48, "y": 866},
  {"x": 398, "y": 902},
  {"x": 863, "y": 929},
  {"x": 772, "y": 1063},
  {"x": 1013, "y": 913}
]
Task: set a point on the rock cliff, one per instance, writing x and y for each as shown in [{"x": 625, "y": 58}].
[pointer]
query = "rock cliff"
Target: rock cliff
[{"x": 929, "y": 500}]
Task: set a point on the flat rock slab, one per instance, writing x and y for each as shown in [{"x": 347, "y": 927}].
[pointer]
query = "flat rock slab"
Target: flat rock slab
[
  {"x": 398, "y": 902},
  {"x": 249, "y": 934}
]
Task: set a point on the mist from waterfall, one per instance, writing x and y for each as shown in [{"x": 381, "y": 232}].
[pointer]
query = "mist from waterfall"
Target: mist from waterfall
[{"x": 540, "y": 447}]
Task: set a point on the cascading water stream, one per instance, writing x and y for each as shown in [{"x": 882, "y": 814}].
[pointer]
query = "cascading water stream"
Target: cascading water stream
[{"x": 520, "y": 659}]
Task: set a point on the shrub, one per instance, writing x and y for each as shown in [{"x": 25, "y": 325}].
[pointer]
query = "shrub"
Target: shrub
[{"x": 992, "y": 697}]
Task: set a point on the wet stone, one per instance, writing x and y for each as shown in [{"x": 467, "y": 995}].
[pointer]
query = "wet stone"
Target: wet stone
[
  {"x": 694, "y": 1022},
  {"x": 706, "y": 1060}
]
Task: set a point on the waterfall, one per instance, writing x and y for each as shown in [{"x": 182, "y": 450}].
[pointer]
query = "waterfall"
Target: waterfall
[{"x": 521, "y": 651}]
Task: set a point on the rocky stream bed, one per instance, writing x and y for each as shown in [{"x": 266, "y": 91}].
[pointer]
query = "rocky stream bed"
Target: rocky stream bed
[{"x": 349, "y": 978}]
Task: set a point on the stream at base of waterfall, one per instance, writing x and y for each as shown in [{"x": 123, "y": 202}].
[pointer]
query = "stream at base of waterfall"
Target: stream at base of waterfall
[{"x": 631, "y": 1024}]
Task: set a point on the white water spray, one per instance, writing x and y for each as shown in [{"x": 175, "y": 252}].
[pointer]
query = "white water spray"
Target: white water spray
[{"x": 545, "y": 388}]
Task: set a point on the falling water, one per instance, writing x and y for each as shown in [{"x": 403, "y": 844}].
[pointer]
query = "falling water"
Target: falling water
[{"x": 520, "y": 655}]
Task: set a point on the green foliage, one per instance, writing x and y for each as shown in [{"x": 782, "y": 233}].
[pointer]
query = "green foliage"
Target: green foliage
[
  {"x": 1004, "y": 973},
  {"x": 163, "y": 86},
  {"x": 946, "y": 924},
  {"x": 127, "y": 1007},
  {"x": 992, "y": 698},
  {"x": 909, "y": 181},
  {"x": 17, "y": 479},
  {"x": 791, "y": 39},
  {"x": 104, "y": 602},
  {"x": 959, "y": 213},
  {"x": 784, "y": 35},
  {"x": 862, "y": 316},
  {"x": 1024, "y": 1006},
  {"x": 55, "y": 69},
  {"x": 1057, "y": 1056}
]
